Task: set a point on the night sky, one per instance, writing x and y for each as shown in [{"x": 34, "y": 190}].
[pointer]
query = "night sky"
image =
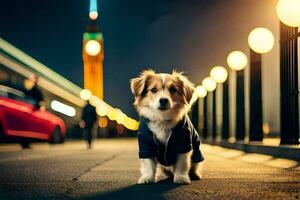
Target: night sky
[{"x": 189, "y": 35}]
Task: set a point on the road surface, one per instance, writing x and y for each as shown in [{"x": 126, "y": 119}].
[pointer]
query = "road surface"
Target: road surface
[{"x": 110, "y": 171}]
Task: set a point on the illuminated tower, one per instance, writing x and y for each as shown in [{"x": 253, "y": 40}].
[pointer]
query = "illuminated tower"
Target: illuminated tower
[{"x": 93, "y": 54}]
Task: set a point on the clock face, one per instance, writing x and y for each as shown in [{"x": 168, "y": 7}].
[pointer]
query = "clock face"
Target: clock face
[{"x": 93, "y": 47}]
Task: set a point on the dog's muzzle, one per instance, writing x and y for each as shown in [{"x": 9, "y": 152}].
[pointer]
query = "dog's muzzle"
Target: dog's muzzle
[{"x": 164, "y": 104}]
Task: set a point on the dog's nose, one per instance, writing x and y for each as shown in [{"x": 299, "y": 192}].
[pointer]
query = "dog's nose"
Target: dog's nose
[{"x": 163, "y": 102}]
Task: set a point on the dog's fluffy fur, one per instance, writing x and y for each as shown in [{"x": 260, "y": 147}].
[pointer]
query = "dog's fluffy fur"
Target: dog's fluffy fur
[{"x": 177, "y": 90}]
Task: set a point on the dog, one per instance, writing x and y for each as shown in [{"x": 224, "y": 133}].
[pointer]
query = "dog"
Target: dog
[{"x": 168, "y": 142}]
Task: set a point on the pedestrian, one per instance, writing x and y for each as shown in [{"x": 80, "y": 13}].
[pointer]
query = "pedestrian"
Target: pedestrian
[
  {"x": 32, "y": 91},
  {"x": 88, "y": 119}
]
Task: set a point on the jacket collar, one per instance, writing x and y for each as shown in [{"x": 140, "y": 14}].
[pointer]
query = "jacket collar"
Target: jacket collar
[{"x": 180, "y": 125}]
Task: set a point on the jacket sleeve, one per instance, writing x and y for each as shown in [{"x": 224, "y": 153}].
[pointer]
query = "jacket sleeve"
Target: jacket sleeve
[
  {"x": 197, "y": 155},
  {"x": 147, "y": 147}
]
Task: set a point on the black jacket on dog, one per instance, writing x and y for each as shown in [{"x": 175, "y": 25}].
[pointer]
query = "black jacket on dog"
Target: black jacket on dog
[{"x": 183, "y": 139}]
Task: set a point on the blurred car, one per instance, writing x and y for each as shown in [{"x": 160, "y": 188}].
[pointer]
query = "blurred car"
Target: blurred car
[{"x": 22, "y": 121}]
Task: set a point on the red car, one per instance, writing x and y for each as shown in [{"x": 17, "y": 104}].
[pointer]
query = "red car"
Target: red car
[{"x": 21, "y": 120}]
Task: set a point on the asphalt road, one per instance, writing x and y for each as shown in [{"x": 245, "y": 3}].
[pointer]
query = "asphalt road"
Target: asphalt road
[{"x": 110, "y": 171}]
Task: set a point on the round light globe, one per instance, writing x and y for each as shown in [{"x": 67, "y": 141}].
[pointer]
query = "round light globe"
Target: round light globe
[
  {"x": 92, "y": 47},
  {"x": 201, "y": 91},
  {"x": 209, "y": 84},
  {"x": 93, "y": 15},
  {"x": 219, "y": 74},
  {"x": 101, "y": 110},
  {"x": 121, "y": 117},
  {"x": 94, "y": 100},
  {"x": 288, "y": 12},
  {"x": 261, "y": 40},
  {"x": 112, "y": 114},
  {"x": 237, "y": 60},
  {"x": 85, "y": 94}
]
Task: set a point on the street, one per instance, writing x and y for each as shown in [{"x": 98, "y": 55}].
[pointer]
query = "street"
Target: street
[{"x": 110, "y": 171}]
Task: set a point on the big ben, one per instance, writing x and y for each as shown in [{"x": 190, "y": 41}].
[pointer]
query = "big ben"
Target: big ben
[{"x": 93, "y": 53}]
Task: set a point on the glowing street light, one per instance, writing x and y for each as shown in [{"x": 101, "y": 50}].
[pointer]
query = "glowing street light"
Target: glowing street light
[
  {"x": 93, "y": 14},
  {"x": 209, "y": 84},
  {"x": 237, "y": 60},
  {"x": 85, "y": 94},
  {"x": 103, "y": 122},
  {"x": 112, "y": 114},
  {"x": 261, "y": 40},
  {"x": 201, "y": 91},
  {"x": 94, "y": 100},
  {"x": 121, "y": 117},
  {"x": 92, "y": 47},
  {"x": 101, "y": 110},
  {"x": 288, "y": 12},
  {"x": 219, "y": 74}
]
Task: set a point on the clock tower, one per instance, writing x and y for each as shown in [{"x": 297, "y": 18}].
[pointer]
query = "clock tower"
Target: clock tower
[{"x": 93, "y": 54}]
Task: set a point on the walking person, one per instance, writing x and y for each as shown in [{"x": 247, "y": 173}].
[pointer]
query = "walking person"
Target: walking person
[
  {"x": 88, "y": 119},
  {"x": 34, "y": 92}
]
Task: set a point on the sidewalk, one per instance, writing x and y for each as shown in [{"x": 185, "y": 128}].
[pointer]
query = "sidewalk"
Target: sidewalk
[
  {"x": 110, "y": 170},
  {"x": 269, "y": 146}
]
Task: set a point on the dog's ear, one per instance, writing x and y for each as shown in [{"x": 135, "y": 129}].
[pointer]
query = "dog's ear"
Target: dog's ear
[
  {"x": 188, "y": 90},
  {"x": 138, "y": 85},
  {"x": 188, "y": 87}
]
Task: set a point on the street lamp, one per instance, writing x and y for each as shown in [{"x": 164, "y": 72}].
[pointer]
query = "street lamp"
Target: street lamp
[
  {"x": 200, "y": 93},
  {"x": 289, "y": 15},
  {"x": 260, "y": 40},
  {"x": 94, "y": 100},
  {"x": 219, "y": 74},
  {"x": 102, "y": 110},
  {"x": 210, "y": 85},
  {"x": 288, "y": 12},
  {"x": 85, "y": 94},
  {"x": 237, "y": 61}
]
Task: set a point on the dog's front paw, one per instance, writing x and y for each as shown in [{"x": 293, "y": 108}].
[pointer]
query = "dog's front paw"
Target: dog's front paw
[
  {"x": 182, "y": 179},
  {"x": 194, "y": 176},
  {"x": 145, "y": 180}
]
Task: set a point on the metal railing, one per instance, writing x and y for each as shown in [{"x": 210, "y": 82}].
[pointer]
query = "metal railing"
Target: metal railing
[{"x": 289, "y": 100}]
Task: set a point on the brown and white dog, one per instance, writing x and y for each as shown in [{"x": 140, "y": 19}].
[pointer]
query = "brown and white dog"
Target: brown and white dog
[{"x": 163, "y": 100}]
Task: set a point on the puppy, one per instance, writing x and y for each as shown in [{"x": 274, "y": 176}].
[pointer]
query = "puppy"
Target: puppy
[{"x": 168, "y": 142}]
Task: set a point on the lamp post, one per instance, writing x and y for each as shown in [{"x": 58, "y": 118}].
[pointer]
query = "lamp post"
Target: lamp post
[
  {"x": 210, "y": 85},
  {"x": 237, "y": 61},
  {"x": 260, "y": 40},
  {"x": 219, "y": 74},
  {"x": 200, "y": 93},
  {"x": 289, "y": 15}
]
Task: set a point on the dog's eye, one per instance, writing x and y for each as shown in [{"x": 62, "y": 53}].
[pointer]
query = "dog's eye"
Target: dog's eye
[
  {"x": 154, "y": 90},
  {"x": 172, "y": 90}
]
